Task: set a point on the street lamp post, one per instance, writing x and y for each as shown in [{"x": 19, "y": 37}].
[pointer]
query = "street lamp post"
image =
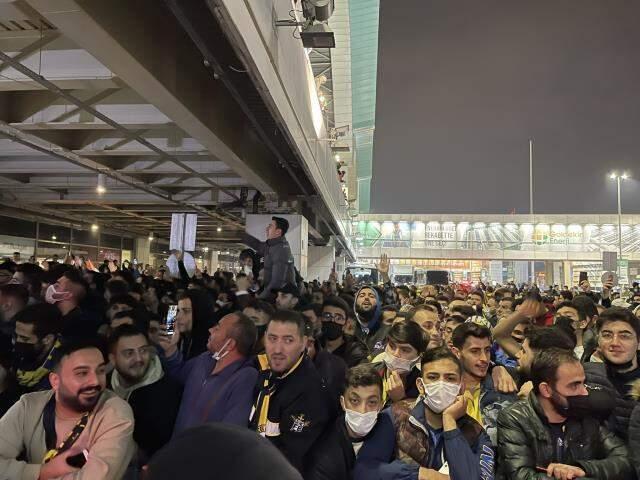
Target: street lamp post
[{"x": 618, "y": 179}]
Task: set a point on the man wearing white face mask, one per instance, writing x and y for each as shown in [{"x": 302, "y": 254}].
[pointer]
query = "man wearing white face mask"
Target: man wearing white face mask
[
  {"x": 399, "y": 364},
  {"x": 66, "y": 294},
  {"x": 218, "y": 384},
  {"x": 433, "y": 439},
  {"x": 334, "y": 454}
]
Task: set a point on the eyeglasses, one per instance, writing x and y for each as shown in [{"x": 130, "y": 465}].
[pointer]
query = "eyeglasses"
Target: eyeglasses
[
  {"x": 622, "y": 336},
  {"x": 334, "y": 317}
]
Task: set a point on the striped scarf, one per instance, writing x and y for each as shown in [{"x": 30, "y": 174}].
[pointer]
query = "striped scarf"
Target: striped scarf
[
  {"x": 269, "y": 386},
  {"x": 31, "y": 378}
]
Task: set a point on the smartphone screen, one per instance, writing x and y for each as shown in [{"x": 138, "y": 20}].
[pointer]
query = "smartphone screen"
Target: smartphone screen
[
  {"x": 583, "y": 276},
  {"x": 170, "y": 321}
]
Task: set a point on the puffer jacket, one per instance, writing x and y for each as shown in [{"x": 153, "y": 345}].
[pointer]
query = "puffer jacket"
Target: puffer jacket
[
  {"x": 471, "y": 457},
  {"x": 279, "y": 266},
  {"x": 597, "y": 374},
  {"x": 524, "y": 443}
]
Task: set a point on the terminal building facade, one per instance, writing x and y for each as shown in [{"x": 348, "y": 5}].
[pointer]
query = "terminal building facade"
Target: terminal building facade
[{"x": 500, "y": 248}]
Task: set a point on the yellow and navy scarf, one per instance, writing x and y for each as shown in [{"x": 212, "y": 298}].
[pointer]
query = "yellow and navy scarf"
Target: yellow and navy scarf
[
  {"x": 31, "y": 378},
  {"x": 268, "y": 388}
]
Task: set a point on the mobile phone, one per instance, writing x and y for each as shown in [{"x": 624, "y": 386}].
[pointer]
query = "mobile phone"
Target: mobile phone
[
  {"x": 583, "y": 276},
  {"x": 170, "y": 321},
  {"x": 77, "y": 461}
]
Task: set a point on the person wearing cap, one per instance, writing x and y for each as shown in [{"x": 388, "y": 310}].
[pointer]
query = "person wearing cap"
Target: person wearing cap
[
  {"x": 278, "y": 260},
  {"x": 288, "y": 297}
]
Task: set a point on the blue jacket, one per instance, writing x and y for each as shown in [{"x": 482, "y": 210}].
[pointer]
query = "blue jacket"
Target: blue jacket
[
  {"x": 225, "y": 397},
  {"x": 379, "y": 461},
  {"x": 492, "y": 403}
]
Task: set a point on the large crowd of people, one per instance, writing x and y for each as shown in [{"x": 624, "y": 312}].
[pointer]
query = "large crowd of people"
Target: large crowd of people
[{"x": 266, "y": 375}]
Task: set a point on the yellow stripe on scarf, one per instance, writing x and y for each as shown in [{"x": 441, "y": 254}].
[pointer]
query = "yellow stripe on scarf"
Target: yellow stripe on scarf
[{"x": 264, "y": 406}]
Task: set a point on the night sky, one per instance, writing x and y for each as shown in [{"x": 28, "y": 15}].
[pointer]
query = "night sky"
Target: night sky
[{"x": 463, "y": 85}]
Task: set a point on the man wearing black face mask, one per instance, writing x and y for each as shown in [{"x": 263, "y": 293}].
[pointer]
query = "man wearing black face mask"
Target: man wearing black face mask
[
  {"x": 551, "y": 433},
  {"x": 37, "y": 341},
  {"x": 335, "y": 312}
]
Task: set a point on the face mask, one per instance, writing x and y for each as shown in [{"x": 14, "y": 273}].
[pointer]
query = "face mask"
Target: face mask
[
  {"x": 247, "y": 270},
  {"x": 360, "y": 423},
  {"x": 440, "y": 395},
  {"x": 219, "y": 355},
  {"x": 221, "y": 304},
  {"x": 560, "y": 407},
  {"x": 331, "y": 330},
  {"x": 53, "y": 295},
  {"x": 26, "y": 353},
  {"x": 398, "y": 364}
]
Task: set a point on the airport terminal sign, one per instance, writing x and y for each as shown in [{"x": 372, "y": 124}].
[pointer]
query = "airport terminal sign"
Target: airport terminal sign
[{"x": 498, "y": 236}]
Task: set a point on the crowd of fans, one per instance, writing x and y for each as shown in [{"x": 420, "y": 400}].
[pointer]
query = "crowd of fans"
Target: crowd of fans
[{"x": 338, "y": 380}]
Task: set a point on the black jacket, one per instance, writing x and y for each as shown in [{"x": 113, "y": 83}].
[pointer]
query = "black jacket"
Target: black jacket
[
  {"x": 299, "y": 408},
  {"x": 333, "y": 456},
  {"x": 600, "y": 374},
  {"x": 524, "y": 443},
  {"x": 155, "y": 408},
  {"x": 353, "y": 351}
]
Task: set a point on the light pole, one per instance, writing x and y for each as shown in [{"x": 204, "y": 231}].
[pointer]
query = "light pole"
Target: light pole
[{"x": 618, "y": 179}]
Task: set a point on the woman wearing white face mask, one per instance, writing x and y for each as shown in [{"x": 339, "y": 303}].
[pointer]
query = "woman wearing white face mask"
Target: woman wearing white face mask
[
  {"x": 335, "y": 453},
  {"x": 435, "y": 438},
  {"x": 399, "y": 364}
]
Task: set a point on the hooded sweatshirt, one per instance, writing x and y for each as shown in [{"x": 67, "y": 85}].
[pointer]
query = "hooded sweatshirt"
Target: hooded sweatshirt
[
  {"x": 371, "y": 330},
  {"x": 155, "y": 401}
]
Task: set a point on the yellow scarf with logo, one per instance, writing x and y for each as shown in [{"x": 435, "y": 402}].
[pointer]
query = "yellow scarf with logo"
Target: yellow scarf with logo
[{"x": 268, "y": 388}]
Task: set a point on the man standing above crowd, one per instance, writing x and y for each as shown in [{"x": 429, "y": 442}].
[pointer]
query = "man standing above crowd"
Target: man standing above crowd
[
  {"x": 549, "y": 435},
  {"x": 139, "y": 380},
  {"x": 78, "y": 427},
  {"x": 292, "y": 404},
  {"x": 278, "y": 260}
]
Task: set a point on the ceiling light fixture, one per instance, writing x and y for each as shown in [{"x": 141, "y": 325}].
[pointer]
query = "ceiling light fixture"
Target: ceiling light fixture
[{"x": 101, "y": 188}]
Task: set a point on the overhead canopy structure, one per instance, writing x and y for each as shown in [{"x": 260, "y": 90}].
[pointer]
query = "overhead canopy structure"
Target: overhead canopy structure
[{"x": 133, "y": 93}]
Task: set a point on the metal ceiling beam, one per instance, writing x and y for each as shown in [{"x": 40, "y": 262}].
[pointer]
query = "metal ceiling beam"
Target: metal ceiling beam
[
  {"x": 89, "y": 109},
  {"x": 61, "y": 153},
  {"x": 44, "y": 213},
  {"x": 133, "y": 173}
]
